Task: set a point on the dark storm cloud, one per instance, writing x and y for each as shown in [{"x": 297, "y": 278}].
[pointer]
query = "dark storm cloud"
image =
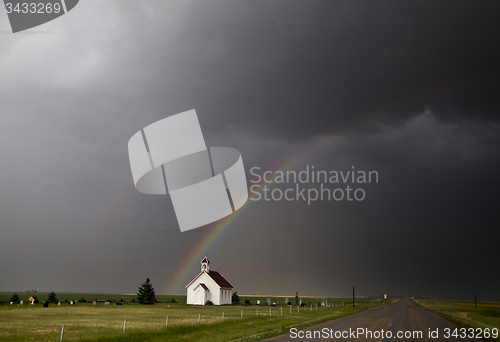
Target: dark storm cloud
[
  {"x": 288, "y": 69},
  {"x": 418, "y": 230},
  {"x": 409, "y": 89},
  {"x": 305, "y": 68}
]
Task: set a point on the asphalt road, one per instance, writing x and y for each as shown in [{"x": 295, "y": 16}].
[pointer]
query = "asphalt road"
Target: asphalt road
[{"x": 401, "y": 317}]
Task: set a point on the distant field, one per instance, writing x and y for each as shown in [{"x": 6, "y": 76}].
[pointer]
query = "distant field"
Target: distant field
[
  {"x": 105, "y": 323},
  {"x": 163, "y": 298},
  {"x": 464, "y": 313}
]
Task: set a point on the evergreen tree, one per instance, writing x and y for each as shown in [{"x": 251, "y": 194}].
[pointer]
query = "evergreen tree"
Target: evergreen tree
[
  {"x": 15, "y": 299},
  {"x": 235, "y": 299},
  {"x": 52, "y": 298},
  {"x": 146, "y": 294}
]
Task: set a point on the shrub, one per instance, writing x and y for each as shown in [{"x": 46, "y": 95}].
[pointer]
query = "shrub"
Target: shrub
[
  {"x": 235, "y": 299},
  {"x": 209, "y": 302},
  {"x": 15, "y": 299},
  {"x": 82, "y": 300},
  {"x": 52, "y": 298}
]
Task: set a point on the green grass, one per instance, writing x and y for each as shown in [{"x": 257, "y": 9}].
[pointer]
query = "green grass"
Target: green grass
[
  {"x": 147, "y": 322},
  {"x": 464, "y": 313}
]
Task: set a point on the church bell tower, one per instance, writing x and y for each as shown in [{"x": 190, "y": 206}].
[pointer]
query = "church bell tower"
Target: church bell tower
[{"x": 204, "y": 264}]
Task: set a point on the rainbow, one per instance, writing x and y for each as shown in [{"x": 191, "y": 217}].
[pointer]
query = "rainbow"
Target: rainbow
[
  {"x": 204, "y": 246},
  {"x": 209, "y": 241}
]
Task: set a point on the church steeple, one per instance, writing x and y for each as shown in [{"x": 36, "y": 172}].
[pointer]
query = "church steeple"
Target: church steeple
[{"x": 204, "y": 264}]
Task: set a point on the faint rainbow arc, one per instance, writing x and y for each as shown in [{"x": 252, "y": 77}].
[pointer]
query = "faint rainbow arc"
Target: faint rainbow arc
[
  {"x": 209, "y": 241},
  {"x": 203, "y": 247}
]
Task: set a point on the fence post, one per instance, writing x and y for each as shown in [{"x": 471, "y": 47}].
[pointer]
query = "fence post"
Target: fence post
[
  {"x": 166, "y": 323},
  {"x": 124, "y": 324},
  {"x": 62, "y": 332},
  {"x": 298, "y": 308},
  {"x": 198, "y": 318},
  {"x": 222, "y": 316},
  {"x": 290, "y": 309}
]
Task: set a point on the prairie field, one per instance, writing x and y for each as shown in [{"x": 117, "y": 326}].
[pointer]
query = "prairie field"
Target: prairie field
[
  {"x": 465, "y": 313},
  {"x": 82, "y": 321}
]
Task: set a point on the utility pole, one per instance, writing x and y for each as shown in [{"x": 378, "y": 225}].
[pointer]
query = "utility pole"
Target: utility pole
[
  {"x": 475, "y": 300},
  {"x": 353, "y": 296}
]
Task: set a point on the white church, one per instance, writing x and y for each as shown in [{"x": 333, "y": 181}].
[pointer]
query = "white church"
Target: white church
[{"x": 209, "y": 285}]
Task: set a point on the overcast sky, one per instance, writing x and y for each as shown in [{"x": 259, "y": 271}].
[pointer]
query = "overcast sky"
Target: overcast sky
[{"x": 409, "y": 89}]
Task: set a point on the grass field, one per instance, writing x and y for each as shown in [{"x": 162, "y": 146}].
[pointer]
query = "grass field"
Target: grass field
[
  {"x": 464, "y": 313},
  {"x": 147, "y": 322}
]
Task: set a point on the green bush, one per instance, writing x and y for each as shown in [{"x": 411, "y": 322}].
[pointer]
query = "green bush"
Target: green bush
[
  {"x": 15, "y": 299},
  {"x": 235, "y": 299},
  {"x": 209, "y": 302},
  {"x": 52, "y": 298}
]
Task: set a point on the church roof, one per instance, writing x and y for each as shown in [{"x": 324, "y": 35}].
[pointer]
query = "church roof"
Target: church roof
[
  {"x": 219, "y": 279},
  {"x": 204, "y": 286},
  {"x": 216, "y": 276},
  {"x": 205, "y": 259}
]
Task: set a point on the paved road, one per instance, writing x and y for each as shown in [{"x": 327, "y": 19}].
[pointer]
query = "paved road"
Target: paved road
[{"x": 402, "y": 316}]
